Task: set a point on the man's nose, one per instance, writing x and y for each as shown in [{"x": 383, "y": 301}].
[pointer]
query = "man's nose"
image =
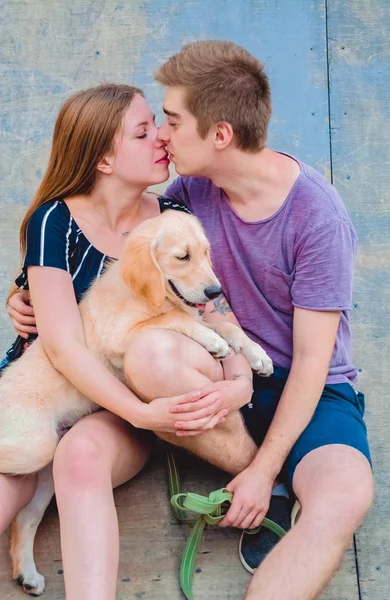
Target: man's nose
[{"x": 162, "y": 133}]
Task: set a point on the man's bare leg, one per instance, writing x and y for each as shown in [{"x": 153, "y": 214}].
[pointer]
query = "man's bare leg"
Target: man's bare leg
[
  {"x": 335, "y": 488},
  {"x": 162, "y": 363}
]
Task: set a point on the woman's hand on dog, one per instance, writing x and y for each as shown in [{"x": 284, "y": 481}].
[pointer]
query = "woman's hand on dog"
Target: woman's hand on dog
[
  {"x": 230, "y": 395},
  {"x": 21, "y": 314},
  {"x": 207, "y": 413}
]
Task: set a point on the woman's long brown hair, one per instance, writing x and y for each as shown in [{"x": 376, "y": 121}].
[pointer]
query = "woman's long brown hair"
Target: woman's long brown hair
[{"x": 83, "y": 134}]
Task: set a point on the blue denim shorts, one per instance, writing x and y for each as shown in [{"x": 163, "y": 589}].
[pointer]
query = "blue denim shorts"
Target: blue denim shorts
[{"x": 338, "y": 418}]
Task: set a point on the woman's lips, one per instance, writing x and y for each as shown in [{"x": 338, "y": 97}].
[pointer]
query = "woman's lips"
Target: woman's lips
[{"x": 163, "y": 160}]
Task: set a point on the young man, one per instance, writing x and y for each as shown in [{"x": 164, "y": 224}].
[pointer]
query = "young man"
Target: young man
[{"x": 283, "y": 248}]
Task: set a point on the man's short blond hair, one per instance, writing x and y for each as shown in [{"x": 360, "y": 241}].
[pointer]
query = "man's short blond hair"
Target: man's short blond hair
[{"x": 223, "y": 82}]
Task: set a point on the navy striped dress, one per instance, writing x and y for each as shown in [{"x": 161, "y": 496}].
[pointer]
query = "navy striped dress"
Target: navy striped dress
[{"x": 53, "y": 239}]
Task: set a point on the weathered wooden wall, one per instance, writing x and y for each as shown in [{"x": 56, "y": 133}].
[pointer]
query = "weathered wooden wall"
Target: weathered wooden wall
[
  {"x": 359, "y": 93},
  {"x": 329, "y": 67}
]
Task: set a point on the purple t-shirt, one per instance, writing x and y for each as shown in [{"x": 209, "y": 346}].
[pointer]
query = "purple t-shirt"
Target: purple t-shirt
[{"x": 301, "y": 256}]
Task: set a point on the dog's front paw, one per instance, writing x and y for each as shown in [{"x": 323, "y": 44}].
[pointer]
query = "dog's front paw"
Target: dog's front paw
[
  {"x": 32, "y": 583},
  {"x": 259, "y": 361},
  {"x": 216, "y": 345}
]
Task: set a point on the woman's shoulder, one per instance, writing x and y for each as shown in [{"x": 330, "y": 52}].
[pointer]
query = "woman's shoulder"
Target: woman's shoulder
[
  {"x": 51, "y": 212},
  {"x": 50, "y": 233},
  {"x": 170, "y": 204}
]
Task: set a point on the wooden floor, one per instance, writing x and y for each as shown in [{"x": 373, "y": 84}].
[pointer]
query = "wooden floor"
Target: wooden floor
[
  {"x": 152, "y": 542},
  {"x": 329, "y": 65}
]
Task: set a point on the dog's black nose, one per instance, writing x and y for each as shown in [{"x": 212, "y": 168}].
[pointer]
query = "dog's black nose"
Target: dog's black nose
[{"x": 212, "y": 291}]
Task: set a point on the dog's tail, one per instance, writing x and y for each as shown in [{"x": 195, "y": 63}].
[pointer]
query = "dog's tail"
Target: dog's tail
[{"x": 32, "y": 456}]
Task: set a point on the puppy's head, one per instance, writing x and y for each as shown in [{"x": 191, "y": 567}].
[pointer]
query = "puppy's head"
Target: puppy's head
[{"x": 169, "y": 257}]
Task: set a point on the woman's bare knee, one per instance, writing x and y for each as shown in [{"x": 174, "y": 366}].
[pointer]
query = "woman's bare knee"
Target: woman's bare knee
[
  {"x": 80, "y": 460},
  {"x": 100, "y": 448}
]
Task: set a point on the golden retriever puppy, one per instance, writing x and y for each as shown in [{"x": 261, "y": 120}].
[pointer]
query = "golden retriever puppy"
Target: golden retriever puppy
[{"x": 162, "y": 277}]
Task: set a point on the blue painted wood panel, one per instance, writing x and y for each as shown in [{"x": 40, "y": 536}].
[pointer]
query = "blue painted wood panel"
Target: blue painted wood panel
[{"x": 359, "y": 75}]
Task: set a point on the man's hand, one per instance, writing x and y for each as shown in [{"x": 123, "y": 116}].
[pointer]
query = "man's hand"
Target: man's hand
[
  {"x": 230, "y": 395},
  {"x": 252, "y": 494},
  {"x": 21, "y": 314}
]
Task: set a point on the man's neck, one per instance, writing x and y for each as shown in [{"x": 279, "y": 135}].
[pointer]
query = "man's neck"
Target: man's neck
[{"x": 256, "y": 184}]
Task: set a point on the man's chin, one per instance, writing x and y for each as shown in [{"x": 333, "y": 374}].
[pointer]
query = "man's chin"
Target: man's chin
[{"x": 184, "y": 171}]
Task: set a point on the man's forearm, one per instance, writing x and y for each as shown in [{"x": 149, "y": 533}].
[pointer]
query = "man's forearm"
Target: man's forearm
[
  {"x": 236, "y": 365},
  {"x": 219, "y": 311},
  {"x": 296, "y": 407}
]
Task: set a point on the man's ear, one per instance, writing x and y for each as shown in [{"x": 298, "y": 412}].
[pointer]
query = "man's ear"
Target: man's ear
[{"x": 223, "y": 135}]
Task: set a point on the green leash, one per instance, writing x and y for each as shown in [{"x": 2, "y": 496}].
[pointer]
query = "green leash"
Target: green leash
[{"x": 211, "y": 510}]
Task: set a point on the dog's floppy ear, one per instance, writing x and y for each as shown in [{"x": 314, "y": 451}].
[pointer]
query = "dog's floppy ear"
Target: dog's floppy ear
[{"x": 140, "y": 271}]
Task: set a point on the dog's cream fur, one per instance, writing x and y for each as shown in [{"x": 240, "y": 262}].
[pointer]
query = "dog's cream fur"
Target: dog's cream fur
[{"x": 134, "y": 293}]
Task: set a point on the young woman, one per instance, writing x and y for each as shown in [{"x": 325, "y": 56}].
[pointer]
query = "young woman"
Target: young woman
[{"x": 105, "y": 154}]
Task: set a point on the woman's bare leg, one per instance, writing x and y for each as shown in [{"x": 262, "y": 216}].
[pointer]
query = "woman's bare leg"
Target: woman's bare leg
[
  {"x": 99, "y": 453},
  {"x": 15, "y": 493}
]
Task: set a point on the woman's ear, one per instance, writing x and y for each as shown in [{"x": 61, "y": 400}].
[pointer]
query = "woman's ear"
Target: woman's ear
[
  {"x": 105, "y": 164},
  {"x": 140, "y": 271}
]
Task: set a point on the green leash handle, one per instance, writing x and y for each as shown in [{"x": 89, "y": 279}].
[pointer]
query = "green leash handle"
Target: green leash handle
[{"x": 211, "y": 510}]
